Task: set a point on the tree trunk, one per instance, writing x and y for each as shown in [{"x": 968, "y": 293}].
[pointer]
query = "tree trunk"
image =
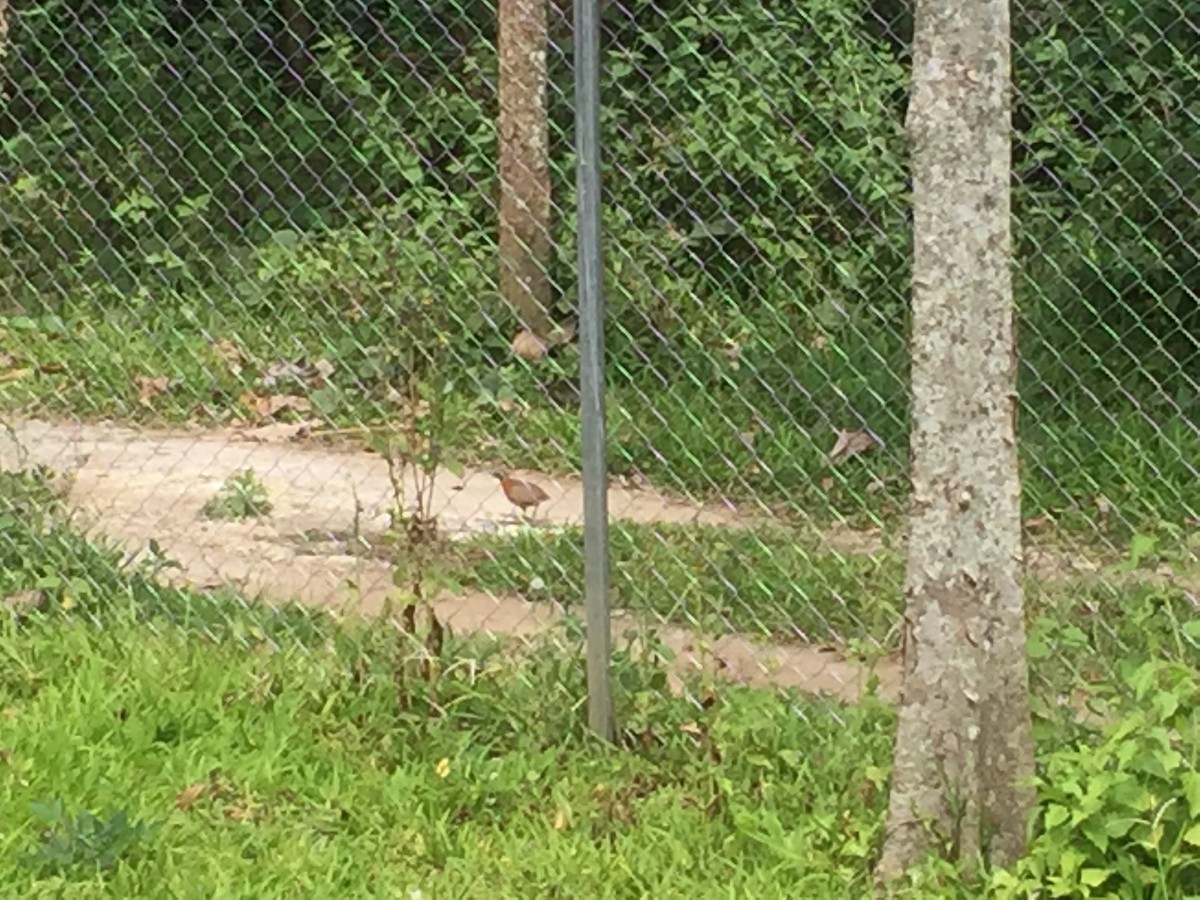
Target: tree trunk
[
  {"x": 524, "y": 163},
  {"x": 964, "y": 746}
]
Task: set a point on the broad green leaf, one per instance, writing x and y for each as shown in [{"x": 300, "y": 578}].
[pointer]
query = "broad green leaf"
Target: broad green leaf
[
  {"x": 1091, "y": 877},
  {"x": 1056, "y": 815}
]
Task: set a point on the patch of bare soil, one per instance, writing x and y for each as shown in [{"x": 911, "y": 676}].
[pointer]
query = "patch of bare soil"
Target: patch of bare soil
[{"x": 135, "y": 486}]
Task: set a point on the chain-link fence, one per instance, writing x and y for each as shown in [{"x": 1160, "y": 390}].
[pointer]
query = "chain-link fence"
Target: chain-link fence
[{"x": 255, "y": 306}]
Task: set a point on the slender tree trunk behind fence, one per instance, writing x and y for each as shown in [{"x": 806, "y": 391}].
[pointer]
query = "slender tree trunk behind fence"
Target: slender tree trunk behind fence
[{"x": 525, "y": 201}]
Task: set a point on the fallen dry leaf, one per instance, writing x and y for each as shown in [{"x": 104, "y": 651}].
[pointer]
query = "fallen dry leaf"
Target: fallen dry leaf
[
  {"x": 283, "y": 370},
  {"x": 230, "y": 354},
  {"x": 852, "y": 443},
  {"x": 239, "y": 812},
  {"x": 25, "y": 600},
  {"x": 301, "y": 373},
  {"x": 189, "y": 795},
  {"x": 14, "y": 374},
  {"x": 529, "y": 346},
  {"x": 271, "y": 405},
  {"x": 827, "y": 484},
  {"x": 532, "y": 347},
  {"x": 150, "y": 387},
  {"x": 323, "y": 369}
]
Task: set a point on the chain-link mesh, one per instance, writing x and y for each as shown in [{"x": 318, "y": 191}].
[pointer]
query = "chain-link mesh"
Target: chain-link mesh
[{"x": 253, "y": 305}]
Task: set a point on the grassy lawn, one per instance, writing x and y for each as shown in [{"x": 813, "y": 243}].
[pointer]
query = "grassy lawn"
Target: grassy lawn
[
  {"x": 202, "y": 746},
  {"x": 237, "y": 767},
  {"x": 282, "y": 773}
]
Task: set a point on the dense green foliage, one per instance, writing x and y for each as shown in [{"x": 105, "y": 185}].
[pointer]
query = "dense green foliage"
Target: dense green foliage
[{"x": 170, "y": 179}]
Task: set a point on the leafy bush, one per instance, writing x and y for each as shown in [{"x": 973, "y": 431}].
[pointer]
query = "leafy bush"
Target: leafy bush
[
  {"x": 760, "y": 153},
  {"x": 1121, "y": 817},
  {"x": 770, "y": 159}
]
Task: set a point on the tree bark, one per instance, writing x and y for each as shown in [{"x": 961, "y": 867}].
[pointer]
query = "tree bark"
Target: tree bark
[
  {"x": 524, "y": 163},
  {"x": 964, "y": 749}
]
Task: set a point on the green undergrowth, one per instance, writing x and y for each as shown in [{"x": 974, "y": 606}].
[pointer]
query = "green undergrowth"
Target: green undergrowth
[
  {"x": 157, "y": 761},
  {"x": 1090, "y": 631}
]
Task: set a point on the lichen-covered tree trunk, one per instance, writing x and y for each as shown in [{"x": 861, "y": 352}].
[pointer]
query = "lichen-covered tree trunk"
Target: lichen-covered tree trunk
[
  {"x": 964, "y": 746},
  {"x": 524, "y": 162}
]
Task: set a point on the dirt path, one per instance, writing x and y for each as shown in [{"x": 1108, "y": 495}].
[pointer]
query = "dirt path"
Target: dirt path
[{"x": 135, "y": 485}]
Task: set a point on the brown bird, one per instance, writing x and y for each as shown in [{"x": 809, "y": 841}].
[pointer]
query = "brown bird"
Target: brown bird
[{"x": 523, "y": 494}]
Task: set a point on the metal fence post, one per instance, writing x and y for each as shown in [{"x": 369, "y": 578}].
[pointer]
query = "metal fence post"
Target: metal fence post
[{"x": 591, "y": 340}]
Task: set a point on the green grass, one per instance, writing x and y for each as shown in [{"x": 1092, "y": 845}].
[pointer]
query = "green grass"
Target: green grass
[
  {"x": 765, "y": 581},
  {"x": 261, "y": 771},
  {"x": 242, "y": 496},
  {"x": 306, "y": 779},
  {"x": 267, "y": 753}
]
